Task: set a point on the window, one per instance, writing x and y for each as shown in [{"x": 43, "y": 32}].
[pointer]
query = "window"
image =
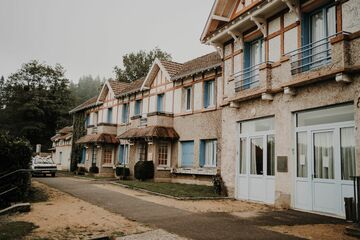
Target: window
[
  {"x": 137, "y": 107},
  {"x": 270, "y": 155},
  {"x": 208, "y": 153},
  {"x": 347, "y": 149},
  {"x": 124, "y": 115},
  {"x": 187, "y": 98},
  {"x": 242, "y": 156},
  {"x": 93, "y": 157},
  {"x": 109, "y": 115},
  {"x": 258, "y": 125},
  {"x": 163, "y": 154},
  {"x": 107, "y": 155},
  {"x": 95, "y": 115},
  {"x": 123, "y": 154},
  {"x": 256, "y": 156},
  {"x": 253, "y": 56},
  {"x": 87, "y": 120},
  {"x": 187, "y": 153},
  {"x": 83, "y": 155},
  {"x": 142, "y": 151},
  {"x": 209, "y": 94},
  {"x": 301, "y": 154},
  {"x": 160, "y": 102}
]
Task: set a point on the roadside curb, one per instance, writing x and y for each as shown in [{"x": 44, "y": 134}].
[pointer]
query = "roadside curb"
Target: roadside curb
[{"x": 169, "y": 196}]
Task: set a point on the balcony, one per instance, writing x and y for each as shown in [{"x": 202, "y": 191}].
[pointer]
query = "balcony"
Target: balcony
[
  {"x": 311, "y": 56},
  {"x": 247, "y": 78}
]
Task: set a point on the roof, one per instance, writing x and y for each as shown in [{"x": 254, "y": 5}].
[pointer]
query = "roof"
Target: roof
[
  {"x": 118, "y": 86},
  {"x": 85, "y": 105},
  {"x": 208, "y": 61},
  {"x": 171, "y": 67},
  {"x": 63, "y": 134},
  {"x": 132, "y": 87},
  {"x": 66, "y": 129},
  {"x": 150, "y": 131},
  {"x": 98, "y": 138}
]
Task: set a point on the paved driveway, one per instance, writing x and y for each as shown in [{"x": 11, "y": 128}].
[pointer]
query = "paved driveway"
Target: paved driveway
[{"x": 202, "y": 226}]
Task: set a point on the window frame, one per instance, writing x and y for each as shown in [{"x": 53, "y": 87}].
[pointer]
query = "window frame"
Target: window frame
[
  {"x": 168, "y": 153},
  {"x": 123, "y": 154},
  {"x": 204, "y": 161},
  {"x": 188, "y": 100},
  {"x": 125, "y": 113},
  {"x": 106, "y": 151},
  {"x": 109, "y": 115},
  {"x": 160, "y": 106},
  {"x": 139, "y": 147},
  {"x": 138, "y": 107},
  {"x": 207, "y": 103}
]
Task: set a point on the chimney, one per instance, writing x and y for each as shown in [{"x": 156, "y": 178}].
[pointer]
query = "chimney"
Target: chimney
[{"x": 38, "y": 148}]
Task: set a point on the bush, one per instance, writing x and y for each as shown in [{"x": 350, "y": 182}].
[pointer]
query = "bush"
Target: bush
[
  {"x": 94, "y": 169},
  {"x": 80, "y": 171},
  {"x": 219, "y": 186},
  {"x": 122, "y": 172},
  {"x": 144, "y": 170},
  {"x": 15, "y": 153}
]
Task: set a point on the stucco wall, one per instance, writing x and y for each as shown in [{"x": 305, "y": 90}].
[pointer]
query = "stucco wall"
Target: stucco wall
[
  {"x": 282, "y": 107},
  {"x": 351, "y": 16}
]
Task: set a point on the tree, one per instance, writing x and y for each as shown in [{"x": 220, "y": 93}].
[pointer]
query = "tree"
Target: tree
[
  {"x": 37, "y": 100},
  {"x": 136, "y": 65},
  {"x": 86, "y": 88}
]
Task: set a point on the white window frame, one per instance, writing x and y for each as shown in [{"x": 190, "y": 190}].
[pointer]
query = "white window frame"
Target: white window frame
[
  {"x": 211, "y": 163},
  {"x": 126, "y": 153},
  {"x": 186, "y": 89},
  {"x": 168, "y": 154}
]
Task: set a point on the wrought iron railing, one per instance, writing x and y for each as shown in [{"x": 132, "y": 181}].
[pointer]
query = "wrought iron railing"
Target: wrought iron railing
[
  {"x": 247, "y": 78},
  {"x": 311, "y": 56}
]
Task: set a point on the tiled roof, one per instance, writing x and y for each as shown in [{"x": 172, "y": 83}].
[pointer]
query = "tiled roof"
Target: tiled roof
[
  {"x": 118, "y": 86},
  {"x": 67, "y": 129},
  {"x": 171, "y": 67},
  {"x": 132, "y": 87},
  {"x": 151, "y": 131},
  {"x": 98, "y": 138},
  {"x": 85, "y": 105},
  {"x": 208, "y": 61}
]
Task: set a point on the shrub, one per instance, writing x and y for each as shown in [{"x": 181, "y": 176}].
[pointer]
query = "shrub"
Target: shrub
[
  {"x": 15, "y": 153},
  {"x": 219, "y": 186},
  {"x": 122, "y": 172},
  {"x": 144, "y": 170},
  {"x": 94, "y": 169},
  {"x": 80, "y": 171}
]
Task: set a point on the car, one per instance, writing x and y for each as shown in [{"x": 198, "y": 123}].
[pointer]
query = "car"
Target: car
[{"x": 43, "y": 165}]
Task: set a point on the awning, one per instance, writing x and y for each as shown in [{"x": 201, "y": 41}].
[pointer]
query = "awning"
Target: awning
[
  {"x": 150, "y": 132},
  {"x": 98, "y": 138}
]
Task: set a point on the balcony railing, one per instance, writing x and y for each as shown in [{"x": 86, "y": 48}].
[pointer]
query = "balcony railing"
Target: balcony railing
[
  {"x": 311, "y": 56},
  {"x": 247, "y": 78}
]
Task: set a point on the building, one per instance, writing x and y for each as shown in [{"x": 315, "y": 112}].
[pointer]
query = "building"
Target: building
[
  {"x": 171, "y": 117},
  {"x": 61, "y": 148},
  {"x": 291, "y": 100}
]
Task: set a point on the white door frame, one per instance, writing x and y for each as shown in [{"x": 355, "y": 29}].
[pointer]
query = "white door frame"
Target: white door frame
[{"x": 310, "y": 131}]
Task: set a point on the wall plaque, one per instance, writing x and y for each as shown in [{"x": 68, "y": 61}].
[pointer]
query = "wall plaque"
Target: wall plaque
[{"x": 282, "y": 163}]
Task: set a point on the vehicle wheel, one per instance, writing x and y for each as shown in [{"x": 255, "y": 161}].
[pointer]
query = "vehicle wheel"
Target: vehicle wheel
[{"x": 53, "y": 174}]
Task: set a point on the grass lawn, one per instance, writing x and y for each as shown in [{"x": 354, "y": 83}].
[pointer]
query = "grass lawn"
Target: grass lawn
[{"x": 173, "y": 189}]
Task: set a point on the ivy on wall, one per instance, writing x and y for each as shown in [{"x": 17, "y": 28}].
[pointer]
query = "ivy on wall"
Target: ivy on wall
[{"x": 79, "y": 130}]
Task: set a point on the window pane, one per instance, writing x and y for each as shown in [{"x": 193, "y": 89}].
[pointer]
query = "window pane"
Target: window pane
[
  {"x": 163, "y": 153},
  {"x": 271, "y": 155},
  {"x": 264, "y": 124},
  {"x": 188, "y": 98},
  {"x": 301, "y": 148},
  {"x": 256, "y": 158},
  {"x": 242, "y": 156},
  {"x": 347, "y": 153},
  {"x": 323, "y": 155},
  {"x": 142, "y": 151},
  {"x": 327, "y": 115},
  {"x": 210, "y": 153},
  {"x": 331, "y": 21}
]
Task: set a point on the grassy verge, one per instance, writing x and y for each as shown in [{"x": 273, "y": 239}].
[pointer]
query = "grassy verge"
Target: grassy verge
[
  {"x": 173, "y": 189},
  {"x": 15, "y": 230}
]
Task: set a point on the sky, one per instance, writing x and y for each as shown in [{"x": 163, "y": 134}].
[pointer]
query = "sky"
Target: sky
[{"x": 91, "y": 36}]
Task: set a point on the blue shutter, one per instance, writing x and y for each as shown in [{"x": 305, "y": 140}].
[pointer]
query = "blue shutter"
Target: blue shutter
[
  {"x": 160, "y": 102},
  {"x": 246, "y": 76},
  {"x": 187, "y": 156},
  {"x": 206, "y": 94},
  {"x": 121, "y": 154},
  {"x": 109, "y": 115},
  {"x": 83, "y": 156},
  {"x": 202, "y": 153},
  {"x": 305, "y": 40}
]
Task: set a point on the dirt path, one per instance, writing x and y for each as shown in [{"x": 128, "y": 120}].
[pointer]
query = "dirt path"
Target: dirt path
[{"x": 67, "y": 217}]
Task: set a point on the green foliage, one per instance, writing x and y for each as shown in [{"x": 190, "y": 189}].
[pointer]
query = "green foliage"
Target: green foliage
[
  {"x": 136, "y": 65},
  {"x": 15, "y": 153},
  {"x": 86, "y": 88},
  {"x": 79, "y": 130},
  {"x": 144, "y": 170},
  {"x": 219, "y": 186},
  {"x": 37, "y": 100}
]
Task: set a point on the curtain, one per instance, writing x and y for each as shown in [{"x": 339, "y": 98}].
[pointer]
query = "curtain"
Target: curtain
[
  {"x": 324, "y": 155},
  {"x": 331, "y": 21},
  {"x": 256, "y": 156},
  {"x": 317, "y": 33},
  {"x": 302, "y": 154},
  {"x": 347, "y": 153}
]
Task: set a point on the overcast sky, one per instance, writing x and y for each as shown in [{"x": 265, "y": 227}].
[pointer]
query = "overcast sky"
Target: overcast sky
[{"x": 91, "y": 36}]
